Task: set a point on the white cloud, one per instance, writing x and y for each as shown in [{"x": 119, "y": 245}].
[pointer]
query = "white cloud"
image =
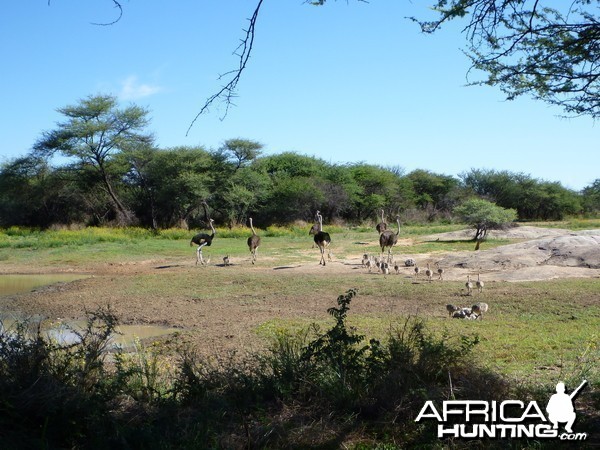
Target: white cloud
[{"x": 131, "y": 89}]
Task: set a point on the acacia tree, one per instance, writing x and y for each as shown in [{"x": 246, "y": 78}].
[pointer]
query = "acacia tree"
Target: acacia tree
[
  {"x": 95, "y": 130},
  {"x": 484, "y": 216}
]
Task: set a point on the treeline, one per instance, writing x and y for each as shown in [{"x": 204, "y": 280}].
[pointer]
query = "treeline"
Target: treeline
[
  {"x": 166, "y": 188},
  {"x": 112, "y": 173}
]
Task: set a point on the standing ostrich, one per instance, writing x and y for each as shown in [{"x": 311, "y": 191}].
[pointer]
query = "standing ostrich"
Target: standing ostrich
[
  {"x": 315, "y": 228},
  {"x": 469, "y": 285},
  {"x": 381, "y": 226},
  {"x": 428, "y": 273},
  {"x": 388, "y": 239},
  {"x": 479, "y": 283},
  {"x": 253, "y": 242},
  {"x": 440, "y": 271},
  {"x": 479, "y": 309},
  {"x": 202, "y": 239},
  {"x": 322, "y": 240}
]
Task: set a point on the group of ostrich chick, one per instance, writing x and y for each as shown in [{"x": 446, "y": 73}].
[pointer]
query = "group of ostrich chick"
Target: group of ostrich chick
[{"x": 387, "y": 240}]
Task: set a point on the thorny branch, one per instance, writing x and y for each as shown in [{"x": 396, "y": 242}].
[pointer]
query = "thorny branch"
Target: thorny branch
[
  {"x": 117, "y": 5},
  {"x": 228, "y": 91}
]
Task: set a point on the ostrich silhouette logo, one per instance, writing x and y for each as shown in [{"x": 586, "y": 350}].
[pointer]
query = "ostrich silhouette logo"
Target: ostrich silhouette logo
[{"x": 560, "y": 407}]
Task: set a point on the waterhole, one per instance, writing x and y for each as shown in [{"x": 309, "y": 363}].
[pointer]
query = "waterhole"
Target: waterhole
[
  {"x": 15, "y": 284},
  {"x": 59, "y": 330}
]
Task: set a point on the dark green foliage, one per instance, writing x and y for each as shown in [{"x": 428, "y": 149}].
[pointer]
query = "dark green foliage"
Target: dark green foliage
[
  {"x": 532, "y": 199},
  {"x": 54, "y": 395},
  {"x": 591, "y": 197}
]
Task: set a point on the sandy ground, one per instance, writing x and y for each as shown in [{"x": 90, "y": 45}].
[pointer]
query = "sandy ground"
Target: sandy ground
[{"x": 225, "y": 325}]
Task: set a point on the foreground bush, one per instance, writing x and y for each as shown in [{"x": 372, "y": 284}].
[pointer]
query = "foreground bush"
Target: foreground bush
[{"x": 312, "y": 389}]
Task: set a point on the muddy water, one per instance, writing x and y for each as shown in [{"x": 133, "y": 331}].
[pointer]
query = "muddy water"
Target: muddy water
[
  {"x": 62, "y": 332},
  {"x": 125, "y": 337},
  {"x": 15, "y": 284}
]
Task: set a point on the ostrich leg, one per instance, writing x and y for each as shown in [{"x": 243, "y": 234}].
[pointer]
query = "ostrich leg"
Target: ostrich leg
[{"x": 199, "y": 254}]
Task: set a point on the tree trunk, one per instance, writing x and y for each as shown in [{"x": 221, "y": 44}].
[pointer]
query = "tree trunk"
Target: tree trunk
[{"x": 123, "y": 215}]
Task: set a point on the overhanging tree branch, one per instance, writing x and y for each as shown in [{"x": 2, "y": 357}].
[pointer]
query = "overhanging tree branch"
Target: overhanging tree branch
[
  {"x": 548, "y": 50},
  {"x": 228, "y": 91},
  {"x": 117, "y": 5}
]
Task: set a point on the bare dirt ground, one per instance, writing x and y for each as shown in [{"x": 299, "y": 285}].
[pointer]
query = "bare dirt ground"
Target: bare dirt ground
[{"x": 223, "y": 324}]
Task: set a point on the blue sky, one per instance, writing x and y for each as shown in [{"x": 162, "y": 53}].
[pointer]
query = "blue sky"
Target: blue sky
[{"x": 347, "y": 82}]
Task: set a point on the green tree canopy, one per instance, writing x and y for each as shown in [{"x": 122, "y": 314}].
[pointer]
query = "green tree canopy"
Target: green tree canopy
[
  {"x": 484, "y": 215},
  {"x": 531, "y": 198},
  {"x": 172, "y": 183},
  {"x": 241, "y": 151},
  {"x": 96, "y": 129},
  {"x": 434, "y": 190}
]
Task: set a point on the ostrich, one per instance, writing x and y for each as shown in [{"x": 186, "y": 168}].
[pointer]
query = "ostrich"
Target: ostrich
[
  {"x": 322, "y": 239},
  {"x": 388, "y": 239},
  {"x": 253, "y": 242},
  {"x": 479, "y": 308},
  {"x": 315, "y": 228},
  {"x": 440, "y": 272},
  {"x": 417, "y": 270},
  {"x": 469, "y": 285},
  {"x": 428, "y": 273},
  {"x": 381, "y": 226},
  {"x": 365, "y": 260},
  {"x": 479, "y": 283},
  {"x": 385, "y": 268},
  {"x": 452, "y": 309},
  {"x": 397, "y": 268},
  {"x": 226, "y": 260},
  {"x": 202, "y": 239}
]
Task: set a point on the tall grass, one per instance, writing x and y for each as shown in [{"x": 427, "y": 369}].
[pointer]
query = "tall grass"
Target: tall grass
[
  {"x": 21, "y": 237},
  {"x": 18, "y": 237}
]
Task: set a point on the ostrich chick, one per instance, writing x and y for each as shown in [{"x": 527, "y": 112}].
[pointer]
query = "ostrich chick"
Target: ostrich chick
[
  {"x": 479, "y": 283},
  {"x": 479, "y": 308},
  {"x": 469, "y": 285},
  {"x": 428, "y": 273},
  {"x": 452, "y": 309},
  {"x": 440, "y": 272}
]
